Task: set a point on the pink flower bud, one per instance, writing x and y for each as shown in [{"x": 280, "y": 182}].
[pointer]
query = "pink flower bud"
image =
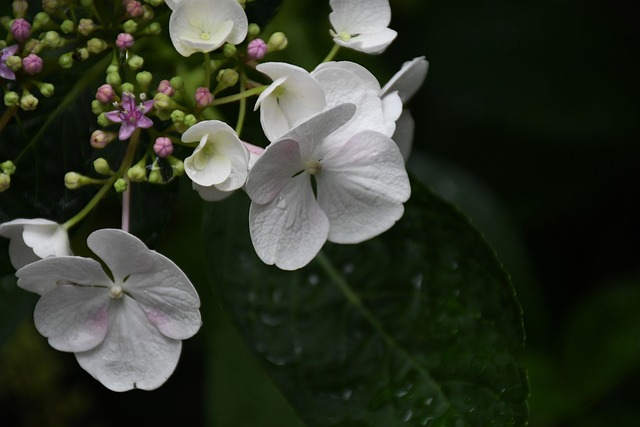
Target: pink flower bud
[
  {"x": 21, "y": 29},
  {"x": 100, "y": 138},
  {"x": 203, "y": 97},
  {"x": 32, "y": 64},
  {"x": 166, "y": 88},
  {"x": 105, "y": 94},
  {"x": 124, "y": 41},
  {"x": 134, "y": 8},
  {"x": 163, "y": 147},
  {"x": 257, "y": 49}
]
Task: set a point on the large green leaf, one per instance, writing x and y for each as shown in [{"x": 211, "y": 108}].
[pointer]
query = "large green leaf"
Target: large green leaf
[{"x": 419, "y": 326}]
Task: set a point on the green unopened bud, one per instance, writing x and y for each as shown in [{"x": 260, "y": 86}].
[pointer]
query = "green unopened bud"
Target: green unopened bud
[
  {"x": 5, "y": 182},
  {"x": 14, "y": 62},
  {"x": 190, "y": 120},
  {"x": 28, "y": 102},
  {"x": 46, "y": 89},
  {"x": 114, "y": 79},
  {"x": 86, "y": 26},
  {"x": 148, "y": 13},
  {"x": 229, "y": 50},
  {"x": 19, "y": 8},
  {"x": 144, "y": 79},
  {"x": 130, "y": 26},
  {"x": 96, "y": 45},
  {"x": 154, "y": 177},
  {"x": 11, "y": 99},
  {"x": 227, "y": 78},
  {"x": 177, "y": 165},
  {"x": 102, "y": 120},
  {"x": 127, "y": 87},
  {"x": 67, "y": 26},
  {"x": 52, "y": 40},
  {"x": 73, "y": 180},
  {"x": 41, "y": 20},
  {"x": 8, "y": 167},
  {"x": 135, "y": 62},
  {"x": 33, "y": 46},
  {"x": 137, "y": 173},
  {"x": 254, "y": 30},
  {"x": 177, "y": 116},
  {"x": 102, "y": 166},
  {"x": 277, "y": 41},
  {"x": 120, "y": 185},
  {"x": 177, "y": 83},
  {"x": 66, "y": 60},
  {"x": 112, "y": 68},
  {"x": 163, "y": 102},
  {"x": 152, "y": 29},
  {"x": 81, "y": 54}
]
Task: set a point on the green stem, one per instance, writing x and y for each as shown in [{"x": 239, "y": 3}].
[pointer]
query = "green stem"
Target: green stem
[
  {"x": 243, "y": 105},
  {"x": 239, "y": 96},
  {"x": 6, "y": 116},
  {"x": 332, "y": 53}
]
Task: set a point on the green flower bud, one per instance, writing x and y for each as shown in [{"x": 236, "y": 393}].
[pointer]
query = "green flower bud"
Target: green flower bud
[
  {"x": 127, "y": 87},
  {"x": 19, "y": 8},
  {"x": 148, "y": 13},
  {"x": 8, "y": 167},
  {"x": 190, "y": 120},
  {"x": 135, "y": 62},
  {"x": 120, "y": 185},
  {"x": 254, "y": 30},
  {"x": 152, "y": 29},
  {"x": 102, "y": 120},
  {"x": 277, "y": 41},
  {"x": 73, "y": 180},
  {"x": 130, "y": 26},
  {"x": 5, "y": 182},
  {"x": 112, "y": 68},
  {"x": 46, "y": 89},
  {"x": 144, "y": 79},
  {"x": 14, "y": 62},
  {"x": 86, "y": 26},
  {"x": 28, "y": 102},
  {"x": 11, "y": 98},
  {"x": 154, "y": 177},
  {"x": 177, "y": 83},
  {"x": 177, "y": 166},
  {"x": 229, "y": 50},
  {"x": 33, "y": 46},
  {"x": 41, "y": 20},
  {"x": 81, "y": 54},
  {"x": 102, "y": 166},
  {"x": 177, "y": 116},
  {"x": 52, "y": 40},
  {"x": 96, "y": 45},
  {"x": 137, "y": 173},
  {"x": 227, "y": 78},
  {"x": 67, "y": 26},
  {"x": 114, "y": 79},
  {"x": 163, "y": 102},
  {"x": 66, "y": 60}
]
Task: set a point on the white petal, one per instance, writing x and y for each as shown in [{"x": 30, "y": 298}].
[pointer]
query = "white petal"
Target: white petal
[
  {"x": 134, "y": 354},
  {"x": 403, "y": 135},
  {"x": 359, "y": 16},
  {"x": 123, "y": 253},
  {"x": 216, "y": 39},
  {"x": 362, "y": 186},
  {"x": 43, "y": 276},
  {"x": 73, "y": 318},
  {"x": 291, "y": 229},
  {"x": 211, "y": 194},
  {"x": 368, "y": 79},
  {"x": 408, "y": 80},
  {"x": 372, "y": 43},
  {"x": 172, "y": 3},
  {"x": 33, "y": 239},
  {"x": 391, "y": 107},
  {"x": 207, "y": 165}
]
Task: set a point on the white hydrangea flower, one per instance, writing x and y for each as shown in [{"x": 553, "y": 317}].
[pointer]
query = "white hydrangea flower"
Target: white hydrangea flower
[
  {"x": 362, "y": 24},
  {"x": 34, "y": 239},
  {"x": 220, "y": 160},
  {"x": 172, "y": 3},
  {"x": 361, "y": 185},
  {"x": 293, "y": 96},
  {"x": 205, "y": 25},
  {"x": 126, "y": 331}
]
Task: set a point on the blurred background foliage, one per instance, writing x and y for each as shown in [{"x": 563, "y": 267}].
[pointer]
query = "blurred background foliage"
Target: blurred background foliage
[{"x": 529, "y": 121}]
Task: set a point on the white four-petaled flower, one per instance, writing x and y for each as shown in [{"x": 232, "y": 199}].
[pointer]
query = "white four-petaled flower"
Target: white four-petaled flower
[
  {"x": 362, "y": 24},
  {"x": 205, "y": 25},
  {"x": 125, "y": 329},
  {"x": 361, "y": 185},
  {"x": 34, "y": 239}
]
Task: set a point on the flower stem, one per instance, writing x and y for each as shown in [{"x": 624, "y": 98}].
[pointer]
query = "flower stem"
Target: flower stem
[
  {"x": 6, "y": 116},
  {"x": 239, "y": 96},
  {"x": 332, "y": 53},
  {"x": 243, "y": 105}
]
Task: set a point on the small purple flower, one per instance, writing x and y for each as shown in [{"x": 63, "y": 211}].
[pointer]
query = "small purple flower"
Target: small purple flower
[
  {"x": 6, "y": 72},
  {"x": 130, "y": 115},
  {"x": 21, "y": 29},
  {"x": 163, "y": 147},
  {"x": 257, "y": 49},
  {"x": 166, "y": 88},
  {"x": 124, "y": 41},
  {"x": 32, "y": 64}
]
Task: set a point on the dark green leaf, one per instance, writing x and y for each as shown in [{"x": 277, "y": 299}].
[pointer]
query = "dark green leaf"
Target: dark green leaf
[
  {"x": 262, "y": 11},
  {"x": 16, "y": 305},
  {"x": 419, "y": 326}
]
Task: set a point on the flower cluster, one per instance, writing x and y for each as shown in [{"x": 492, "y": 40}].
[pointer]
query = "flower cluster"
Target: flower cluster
[{"x": 331, "y": 167}]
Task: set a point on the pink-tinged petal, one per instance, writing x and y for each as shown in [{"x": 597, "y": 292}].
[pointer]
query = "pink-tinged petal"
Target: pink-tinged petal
[
  {"x": 43, "y": 276},
  {"x": 6, "y": 72},
  {"x": 362, "y": 186},
  {"x": 273, "y": 170},
  {"x": 374, "y": 43},
  {"x": 408, "y": 80},
  {"x": 291, "y": 229},
  {"x": 144, "y": 122},
  {"x": 73, "y": 318},
  {"x": 147, "y": 106},
  {"x": 114, "y": 116},
  {"x": 126, "y": 130},
  {"x": 134, "y": 354}
]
